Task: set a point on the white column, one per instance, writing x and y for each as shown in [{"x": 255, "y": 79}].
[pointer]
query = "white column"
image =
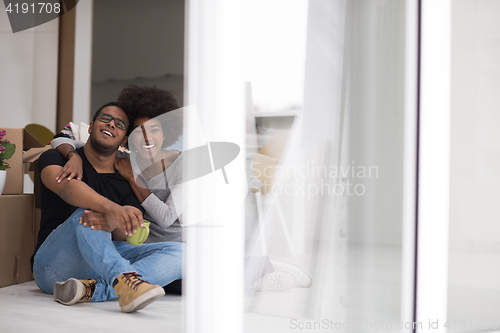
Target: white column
[
  {"x": 434, "y": 164},
  {"x": 214, "y": 256},
  {"x": 83, "y": 62}
]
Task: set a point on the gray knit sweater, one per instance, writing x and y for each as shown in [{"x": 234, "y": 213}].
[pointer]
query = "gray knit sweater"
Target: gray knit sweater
[{"x": 164, "y": 205}]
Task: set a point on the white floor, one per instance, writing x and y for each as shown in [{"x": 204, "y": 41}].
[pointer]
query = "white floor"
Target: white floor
[
  {"x": 24, "y": 308},
  {"x": 365, "y": 286}
]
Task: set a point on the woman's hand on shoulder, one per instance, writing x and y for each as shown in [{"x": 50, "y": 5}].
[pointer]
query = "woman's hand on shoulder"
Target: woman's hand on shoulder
[{"x": 123, "y": 166}]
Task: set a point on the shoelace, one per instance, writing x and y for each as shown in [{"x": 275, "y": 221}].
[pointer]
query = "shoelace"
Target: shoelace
[
  {"x": 89, "y": 291},
  {"x": 133, "y": 280}
]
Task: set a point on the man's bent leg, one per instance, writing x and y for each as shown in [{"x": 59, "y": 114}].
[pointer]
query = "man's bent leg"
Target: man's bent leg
[
  {"x": 59, "y": 259},
  {"x": 75, "y": 251}
]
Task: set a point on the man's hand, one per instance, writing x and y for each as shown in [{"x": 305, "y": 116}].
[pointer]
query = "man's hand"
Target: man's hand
[
  {"x": 72, "y": 169},
  {"x": 99, "y": 221},
  {"x": 128, "y": 217}
]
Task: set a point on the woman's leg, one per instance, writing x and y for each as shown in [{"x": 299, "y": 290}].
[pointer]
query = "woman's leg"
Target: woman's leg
[{"x": 174, "y": 288}]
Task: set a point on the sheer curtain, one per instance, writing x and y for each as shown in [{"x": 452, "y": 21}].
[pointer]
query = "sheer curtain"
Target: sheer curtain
[{"x": 335, "y": 208}]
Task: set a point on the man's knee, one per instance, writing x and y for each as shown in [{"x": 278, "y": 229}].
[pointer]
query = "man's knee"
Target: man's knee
[
  {"x": 75, "y": 217},
  {"x": 45, "y": 279}
]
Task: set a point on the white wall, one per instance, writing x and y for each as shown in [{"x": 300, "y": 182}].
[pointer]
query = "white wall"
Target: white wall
[
  {"x": 137, "y": 42},
  {"x": 28, "y": 74}
]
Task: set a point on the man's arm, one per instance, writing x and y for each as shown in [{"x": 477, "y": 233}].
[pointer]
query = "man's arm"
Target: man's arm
[{"x": 79, "y": 194}]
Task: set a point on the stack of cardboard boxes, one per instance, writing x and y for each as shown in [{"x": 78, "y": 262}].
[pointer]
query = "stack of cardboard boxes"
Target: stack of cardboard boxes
[{"x": 19, "y": 220}]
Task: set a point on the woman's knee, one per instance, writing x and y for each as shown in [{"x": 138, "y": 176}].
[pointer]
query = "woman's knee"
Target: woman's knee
[
  {"x": 177, "y": 250},
  {"x": 170, "y": 248},
  {"x": 178, "y": 247}
]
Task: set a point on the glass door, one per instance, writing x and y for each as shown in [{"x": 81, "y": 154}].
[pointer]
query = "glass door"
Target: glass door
[{"x": 329, "y": 218}]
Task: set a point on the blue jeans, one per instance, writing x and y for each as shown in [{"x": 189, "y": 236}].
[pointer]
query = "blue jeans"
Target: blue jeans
[{"x": 75, "y": 251}]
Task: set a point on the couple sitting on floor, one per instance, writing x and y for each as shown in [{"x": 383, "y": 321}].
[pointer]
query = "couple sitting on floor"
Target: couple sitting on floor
[{"x": 82, "y": 254}]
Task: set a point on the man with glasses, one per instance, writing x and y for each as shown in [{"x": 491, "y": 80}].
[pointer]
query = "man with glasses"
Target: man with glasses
[
  {"x": 106, "y": 118},
  {"x": 79, "y": 264}
]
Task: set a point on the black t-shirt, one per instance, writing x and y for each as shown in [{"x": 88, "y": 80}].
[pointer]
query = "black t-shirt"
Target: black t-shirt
[{"x": 55, "y": 210}]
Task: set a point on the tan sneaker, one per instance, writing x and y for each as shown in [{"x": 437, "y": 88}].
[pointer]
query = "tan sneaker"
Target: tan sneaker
[
  {"x": 134, "y": 293},
  {"x": 74, "y": 291}
]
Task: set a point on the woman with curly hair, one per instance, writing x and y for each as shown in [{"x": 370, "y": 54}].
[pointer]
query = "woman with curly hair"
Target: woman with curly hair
[
  {"x": 154, "y": 164},
  {"x": 143, "y": 105}
]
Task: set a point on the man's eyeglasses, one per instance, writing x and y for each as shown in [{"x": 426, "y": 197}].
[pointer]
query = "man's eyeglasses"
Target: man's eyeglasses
[{"x": 106, "y": 118}]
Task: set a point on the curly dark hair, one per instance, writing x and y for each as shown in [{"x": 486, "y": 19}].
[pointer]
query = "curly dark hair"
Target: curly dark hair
[{"x": 147, "y": 101}]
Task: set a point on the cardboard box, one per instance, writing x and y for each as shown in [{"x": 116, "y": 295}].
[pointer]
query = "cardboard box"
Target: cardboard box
[
  {"x": 24, "y": 142},
  {"x": 17, "y": 238}
]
